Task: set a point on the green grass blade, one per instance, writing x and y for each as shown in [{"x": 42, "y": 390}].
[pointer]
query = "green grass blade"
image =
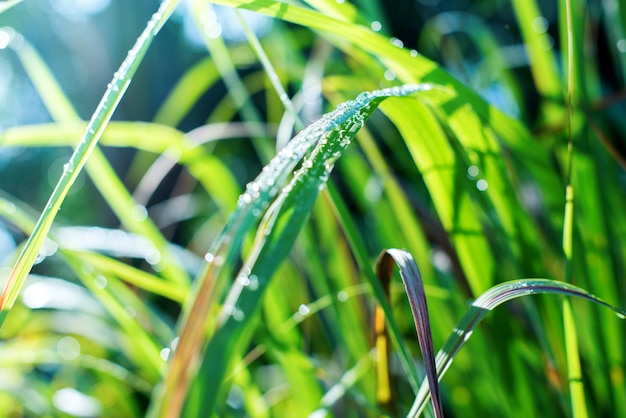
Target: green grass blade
[
  {"x": 133, "y": 276},
  {"x": 88, "y": 142},
  {"x": 269, "y": 70},
  {"x": 414, "y": 286},
  {"x": 360, "y": 252},
  {"x": 144, "y": 347},
  {"x": 101, "y": 172},
  {"x": 212, "y": 173},
  {"x": 543, "y": 65},
  {"x": 332, "y": 133},
  {"x": 576, "y": 386},
  {"x": 488, "y": 301},
  {"x": 444, "y": 176},
  {"x": 574, "y": 370},
  {"x": 236, "y": 88},
  {"x": 147, "y": 348},
  {"x": 124, "y": 206}
]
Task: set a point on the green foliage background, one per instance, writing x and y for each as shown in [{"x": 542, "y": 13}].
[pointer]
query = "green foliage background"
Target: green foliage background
[{"x": 262, "y": 293}]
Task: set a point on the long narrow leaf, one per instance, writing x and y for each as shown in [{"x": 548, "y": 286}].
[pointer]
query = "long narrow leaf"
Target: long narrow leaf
[
  {"x": 88, "y": 142},
  {"x": 488, "y": 301},
  {"x": 332, "y": 133},
  {"x": 414, "y": 286}
]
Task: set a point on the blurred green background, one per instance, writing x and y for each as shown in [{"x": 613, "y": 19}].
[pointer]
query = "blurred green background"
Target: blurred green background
[{"x": 480, "y": 43}]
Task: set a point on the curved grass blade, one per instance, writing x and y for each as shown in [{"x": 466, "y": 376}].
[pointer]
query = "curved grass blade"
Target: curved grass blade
[
  {"x": 488, "y": 301},
  {"x": 88, "y": 142},
  {"x": 414, "y": 286},
  {"x": 332, "y": 133}
]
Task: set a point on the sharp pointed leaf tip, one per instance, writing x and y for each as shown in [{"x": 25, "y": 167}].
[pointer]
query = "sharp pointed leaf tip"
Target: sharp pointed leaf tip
[{"x": 412, "y": 279}]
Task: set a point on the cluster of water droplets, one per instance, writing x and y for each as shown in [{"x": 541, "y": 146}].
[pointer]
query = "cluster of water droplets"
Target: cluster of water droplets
[
  {"x": 329, "y": 135},
  {"x": 167, "y": 351},
  {"x": 472, "y": 174},
  {"x": 274, "y": 174}
]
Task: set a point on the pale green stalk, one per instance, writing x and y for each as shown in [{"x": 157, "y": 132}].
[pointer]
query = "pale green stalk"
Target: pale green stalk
[
  {"x": 269, "y": 70},
  {"x": 577, "y": 390}
]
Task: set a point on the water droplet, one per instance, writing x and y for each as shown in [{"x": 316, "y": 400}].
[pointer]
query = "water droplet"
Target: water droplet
[
  {"x": 229, "y": 309},
  {"x": 621, "y": 46},
  {"x": 482, "y": 185},
  {"x": 390, "y": 75},
  {"x": 342, "y": 296},
  {"x": 540, "y": 24},
  {"x": 364, "y": 97},
  {"x": 472, "y": 171},
  {"x": 68, "y": 168},
  {"x": 101, "y": 282},
  {"x": 376, "y": 26},
  {"x": 10, "y": 207},
  {"x": 208, "y": 257},
  {"x": 244, "y": 280},
  {"x": 373, "y": 190},
  {"x": 218, "y": 260},
  {"x": 165, "y": 354},
  {"x": 6, "y": 34},
  {"x": 174, "y": 343},
  {"x": 254, "y": 282},
  {"x": 153, "y": 256},
  {"x": 414, "y": 53},
  {"x": 213, "y": 31},
  {"x": 467, "y": 335},
  {"x": 441, "y": 260},
  {"x": 40, "y": 257},
  {"x": 139, "y": 213},
  {"x": 304, "y": 310},
  {"x": 238, "y": 315},
  {"x": 245, "y": 199},
  {"x": 68, "y": 348},
  {"x": 396, "y": 42}
]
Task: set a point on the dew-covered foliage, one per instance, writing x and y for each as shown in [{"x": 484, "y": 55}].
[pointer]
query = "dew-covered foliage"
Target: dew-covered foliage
[{"x": 209, "y": 246}]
